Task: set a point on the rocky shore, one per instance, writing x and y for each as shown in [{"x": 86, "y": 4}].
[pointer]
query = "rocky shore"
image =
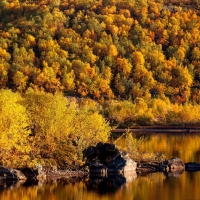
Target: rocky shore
[
  {"x": 163, "y": 129},
  {"x": 102, "y": 160}
]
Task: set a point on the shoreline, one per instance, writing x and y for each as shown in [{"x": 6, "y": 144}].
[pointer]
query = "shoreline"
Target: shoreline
[{"x": 160, "y": 129}]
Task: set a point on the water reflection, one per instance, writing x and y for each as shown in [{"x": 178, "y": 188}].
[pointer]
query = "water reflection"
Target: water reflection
[
  {"x": 185, "y": 186},
  {"x": 173, "y": 173},
  {"x": 105, "y": 185},
  {"x": 183, "y": 145},
  {"x": 110, "y": 184},
  {"x": 10, "y": 184}
]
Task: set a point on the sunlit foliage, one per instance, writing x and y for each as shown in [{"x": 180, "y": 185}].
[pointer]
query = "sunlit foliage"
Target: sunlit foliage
[
  {"x": 106, "y": 49},
  {"x": 14, "y": 129},
  {"x": 48, "y": 129}
]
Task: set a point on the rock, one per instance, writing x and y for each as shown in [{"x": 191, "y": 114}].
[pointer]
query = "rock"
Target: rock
[
  {"x": 11, "y": 174},
  {"x": 106, "y": 159},
  {"x": 130, "y": 176},
  {"x": 98, "y": 170},
  {"x": 192, "y": 166},
  {"x": 29, "y": 173},
  {"x": 130, "y": 165},
  {"x": 174, "y": 164}
]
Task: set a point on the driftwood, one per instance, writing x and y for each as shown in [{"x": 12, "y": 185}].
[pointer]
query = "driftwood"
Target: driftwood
[
  {"x": 58, "y": 174},
  {"x": 44, "y": 173},
  {"x": 145, "y": 167}
]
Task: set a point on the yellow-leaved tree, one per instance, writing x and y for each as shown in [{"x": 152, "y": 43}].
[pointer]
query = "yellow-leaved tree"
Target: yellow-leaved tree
[
  {"x": 51, "y": 121},
  {"x": 89, "y": 129},
  {"x": 14, "y": 130}
]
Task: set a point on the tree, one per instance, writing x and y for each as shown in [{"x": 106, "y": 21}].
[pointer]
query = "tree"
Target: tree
[
  {"x": 4, "y": 67},
  {"x": 89, "y": 129},
  {"x": 112, "y": 51},
  {"x": 50, "y": 124},
  {"x": 20, "y": 81},
  {"x": 137, "y": 58},
  {"x": 47, "y": 79},
  {"x": 124, "y": 66}
]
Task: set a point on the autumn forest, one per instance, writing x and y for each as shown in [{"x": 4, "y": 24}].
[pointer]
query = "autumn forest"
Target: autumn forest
[{"x": 70, "y": 70}]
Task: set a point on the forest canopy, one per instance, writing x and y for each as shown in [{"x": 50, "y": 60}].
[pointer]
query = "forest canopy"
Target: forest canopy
[{"x": 102, "y": 49}]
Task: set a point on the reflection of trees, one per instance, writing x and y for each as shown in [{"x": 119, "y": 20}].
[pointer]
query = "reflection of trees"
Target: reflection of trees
[{"x": 185, "y": 146}]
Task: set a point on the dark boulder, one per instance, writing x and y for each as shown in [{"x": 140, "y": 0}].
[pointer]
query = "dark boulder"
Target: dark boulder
[
  {"x": 29, "y": 173},
  {"x": 11, "y": 174},
  {"x": 105, "y": 158}
]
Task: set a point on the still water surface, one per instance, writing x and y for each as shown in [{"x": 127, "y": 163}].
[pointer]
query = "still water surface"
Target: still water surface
[{"x": 156, "y": 186}]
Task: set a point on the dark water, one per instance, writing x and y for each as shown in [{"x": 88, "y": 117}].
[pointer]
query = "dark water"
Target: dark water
[{"x": 154, "y": 186}]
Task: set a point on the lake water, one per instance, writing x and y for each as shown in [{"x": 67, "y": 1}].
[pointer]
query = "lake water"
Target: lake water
[{"x": 156, "y": 186}]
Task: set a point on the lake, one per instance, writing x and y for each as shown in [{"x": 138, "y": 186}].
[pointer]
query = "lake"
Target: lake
[{"x": 158, "y": 186}]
